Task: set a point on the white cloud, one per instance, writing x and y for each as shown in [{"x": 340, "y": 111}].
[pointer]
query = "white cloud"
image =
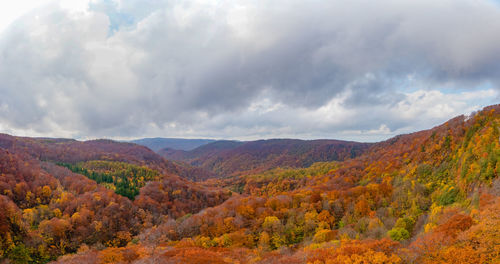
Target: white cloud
[
  {"x": 12, "y": 10},
  {"x": 243, "y": 69}
]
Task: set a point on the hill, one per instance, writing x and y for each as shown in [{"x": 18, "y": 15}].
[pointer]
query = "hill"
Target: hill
[
  {"x": 49, "y": 210},
  {"x": 431, "y": 196},
  {"x": 228, "y": 158},
  {"x": 157, "y": 144},
  {"x": 428, "y": 197},
  {"x": 72, "y": 151},
  {"x": 202, "y": 152}
]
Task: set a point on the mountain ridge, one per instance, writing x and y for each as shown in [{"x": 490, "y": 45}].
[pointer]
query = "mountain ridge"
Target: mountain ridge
[
  {"x": 227, "y": 158},
  {"x": 430, "y": 196},
  {"x": 159, "y": 143}
]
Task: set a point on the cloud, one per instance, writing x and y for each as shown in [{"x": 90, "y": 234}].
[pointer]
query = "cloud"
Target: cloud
[{"x": 247, "y": 69}]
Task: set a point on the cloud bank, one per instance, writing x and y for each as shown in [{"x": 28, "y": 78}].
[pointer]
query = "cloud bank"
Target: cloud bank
[{"x": 358, "y": 69}]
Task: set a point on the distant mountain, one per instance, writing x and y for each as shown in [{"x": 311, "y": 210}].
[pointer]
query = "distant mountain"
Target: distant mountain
[
  {"x": 226, "y": 158},
  {"x": 204, "y": 151},
  {"x": 156, "y": 144}
]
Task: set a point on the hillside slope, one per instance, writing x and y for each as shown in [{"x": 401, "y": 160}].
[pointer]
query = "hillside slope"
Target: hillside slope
[
  {"x": 227, "y": 158},
  {"x": 118, "y": 190},
  {"x": 428, "y": 197},
  {"x": 73, "y": 151}
]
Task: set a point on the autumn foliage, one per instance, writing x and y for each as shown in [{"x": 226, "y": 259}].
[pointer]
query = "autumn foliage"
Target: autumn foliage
[{"x": 428, "y": 197}]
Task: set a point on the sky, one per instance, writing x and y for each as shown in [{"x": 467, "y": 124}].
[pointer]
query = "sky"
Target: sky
[{"x": 355, "y": 70}]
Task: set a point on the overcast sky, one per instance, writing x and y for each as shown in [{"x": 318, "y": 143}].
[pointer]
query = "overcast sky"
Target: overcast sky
[{"x": 358, "y": 70}]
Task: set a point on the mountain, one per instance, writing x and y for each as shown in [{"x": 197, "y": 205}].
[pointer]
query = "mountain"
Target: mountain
[
  {"x": 122, "y": 167},
  {"x": 173, "y": 143},
  {"x": 432, "y": 196},
  {"x": 73, "y": 151},
  {"x": 204, "y": 151},
  {"x": 226, "y": 158},
  {"x": 48, "y": 210}
]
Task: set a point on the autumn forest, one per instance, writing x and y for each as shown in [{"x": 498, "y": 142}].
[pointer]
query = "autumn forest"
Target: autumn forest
[{"x": 431, "y": 196}]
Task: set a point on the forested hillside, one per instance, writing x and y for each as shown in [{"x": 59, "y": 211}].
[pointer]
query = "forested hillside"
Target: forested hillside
[
  {"x": 428, "y": 197},
  {"x": 119, "y": 190},
  {"x": 228, "y": 158}
]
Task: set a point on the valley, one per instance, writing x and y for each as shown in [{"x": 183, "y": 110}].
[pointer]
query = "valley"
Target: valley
[{"x": 432, "y": 196}]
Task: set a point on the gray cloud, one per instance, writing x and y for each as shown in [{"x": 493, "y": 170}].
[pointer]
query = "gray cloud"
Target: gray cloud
[{"x": 245, "y": 68}]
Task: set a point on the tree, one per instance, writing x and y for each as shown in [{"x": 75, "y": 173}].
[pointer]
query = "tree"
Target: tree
[
  {"x": 398, "y": 234},
  {"x": 20, "y": 254}
]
